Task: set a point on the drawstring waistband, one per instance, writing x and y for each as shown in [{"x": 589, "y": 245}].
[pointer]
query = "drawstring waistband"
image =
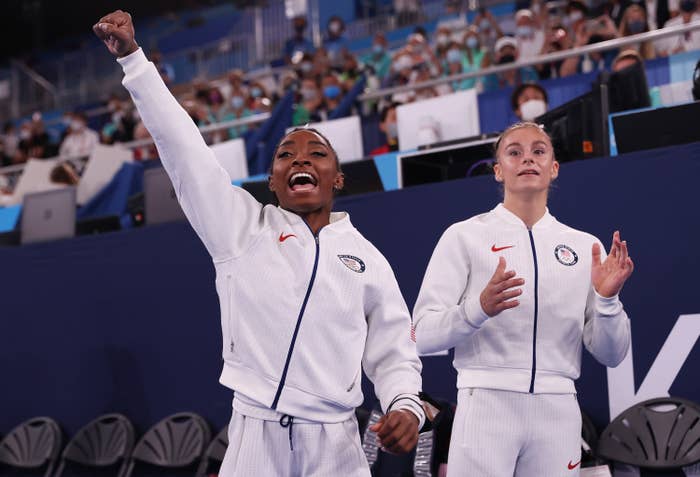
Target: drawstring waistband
[{"x": 287, "y": 421}]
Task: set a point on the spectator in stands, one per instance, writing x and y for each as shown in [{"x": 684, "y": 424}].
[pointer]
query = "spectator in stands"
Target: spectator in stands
[
  {"x": 378, "y": 59},
  {"x": 419, "y": 52},
  {"x": 402, "y": 75},
  {"x": 166, "y": 70},
  {"x": 10, "y": 142},
  {"x": 305, "y": 67},
  {"x": 530, "y": 32},
  {"x": 236, "y": 84},
  {"x": 39, "y": 145},
  {"x": 687, "y": 41},
  {"x": 556, "y": 40},
  {"x": 489, "y": 30},
  {"x": 307, "y": 110},
  {"x": 120, "y": 127},
  {"x": 332, "y": 94},
  {"x": 201, "y": 90},
  {"x": 350, "y": 71},
  {"x": 424, "y": 74},
  {"x": 598, "y": 30},
  {"x": 576, "y": 13},
  {"x": 297, "y": 45},
  {"x": 634, "y": 21},
  {"x": 529, "y": 101},
  {"x": 625, "y": 59},
  {"x": 147, "y": 152},
  {"x": 476, "y": 56},
  {"x": 443, "y": 41},
  {"x": 506, "y": 51},
  {"x": 335, "y": 42},
  {"x": 259, "y": 100},
  {"x": 237, "y": 110},
  {"x": 64, "y": 173},
  {"x": 321, "y": 62},
  {"x": 389, "y": 127},
  {"x": 80, "y": 140},
  {"x": 455, "y": 60}
]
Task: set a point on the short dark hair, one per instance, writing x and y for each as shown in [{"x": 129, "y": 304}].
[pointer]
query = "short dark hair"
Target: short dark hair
[
  {"x": 522, "y": 87},
  {"x": 385, "y": 111}
]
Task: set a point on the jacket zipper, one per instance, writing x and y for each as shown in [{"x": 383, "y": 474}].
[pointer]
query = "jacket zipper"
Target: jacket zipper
[
  {"x": 534, "y": 331},
  {"x": 298, "y": 325}
]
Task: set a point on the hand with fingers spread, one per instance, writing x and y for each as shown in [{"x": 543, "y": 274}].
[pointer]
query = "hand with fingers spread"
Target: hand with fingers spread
[
  {"x": 116, "y": 30},
  {"x": 397, "y": 431},
  {"x": 609, "y": 276},
  {"x": 498, "y": 294}
]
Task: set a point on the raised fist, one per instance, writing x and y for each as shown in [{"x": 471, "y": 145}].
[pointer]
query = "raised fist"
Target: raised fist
[{"x": 117, "y": 32}]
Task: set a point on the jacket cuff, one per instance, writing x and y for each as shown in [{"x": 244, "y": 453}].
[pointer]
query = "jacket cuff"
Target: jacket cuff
[
  {"x": 410, "y": 403},
  {"x": 474, "y": 315},
  {"x": 607, "y": 306},
  {"x": 131, "y": 63}
]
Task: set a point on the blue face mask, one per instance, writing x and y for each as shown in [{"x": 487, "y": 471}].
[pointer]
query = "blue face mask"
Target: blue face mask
[
  {"x": 454, "y": 56},
  {"x": 472, "y": 42},
  {"x": 377, "y": 48},
  {"x": 331, "y": 92},
  {"x": 523, "y": 31},
  {"x": 237, "y": 102},
  {"x": 636, "y": 26},
  {"x": 256, "y": 92},
  {"x": 484, "y": 25}
]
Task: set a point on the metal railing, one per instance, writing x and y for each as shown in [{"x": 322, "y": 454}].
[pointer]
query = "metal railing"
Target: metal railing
[
  {"x": 14, "y": 171},
  {"x": 541, "y": 59}
]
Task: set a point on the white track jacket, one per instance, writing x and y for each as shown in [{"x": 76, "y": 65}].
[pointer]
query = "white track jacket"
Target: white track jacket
[
  {"x": 536, "y": 346},
  {"x": 300, "y": 314}
]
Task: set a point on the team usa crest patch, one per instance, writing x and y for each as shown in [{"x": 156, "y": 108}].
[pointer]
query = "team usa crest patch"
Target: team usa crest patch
[
  {"x": 565, "y": 255},
  {"x": 353, "y": 263}
]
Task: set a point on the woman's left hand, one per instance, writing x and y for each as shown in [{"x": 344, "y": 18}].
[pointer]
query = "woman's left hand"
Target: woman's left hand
[{"x": 609, "y": 276}]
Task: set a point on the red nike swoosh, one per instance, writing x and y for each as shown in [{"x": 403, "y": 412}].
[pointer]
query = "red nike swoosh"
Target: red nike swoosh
[
  {"x": 498, "y": 249},
  {"x": 285, "y": 237},
  {"x": 573, "y": 466}
]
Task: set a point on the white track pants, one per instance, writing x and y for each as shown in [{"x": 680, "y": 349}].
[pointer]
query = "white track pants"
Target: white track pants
[
  {"x": 262, "y": 448},
  {"x": 503, "y": 434}
]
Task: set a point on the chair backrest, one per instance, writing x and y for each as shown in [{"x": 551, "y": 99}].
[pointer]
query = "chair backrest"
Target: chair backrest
[
  {"x": 659, "y": 433},
  {"x": 176, "y": 441},
  {"x": 215, "y": 451},
  {"x": 101, "y": 443},
  {"x": 424, "y": 453},
  {"x": 369, "y": 440},
  {"x": 32, "y": 444}
]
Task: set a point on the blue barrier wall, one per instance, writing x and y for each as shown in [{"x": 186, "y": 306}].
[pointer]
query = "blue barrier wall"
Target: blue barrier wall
[{"x": 128, "y": 321}]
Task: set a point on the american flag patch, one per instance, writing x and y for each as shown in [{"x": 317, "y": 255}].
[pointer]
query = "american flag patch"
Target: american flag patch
[{"x": 413, "y": 333}]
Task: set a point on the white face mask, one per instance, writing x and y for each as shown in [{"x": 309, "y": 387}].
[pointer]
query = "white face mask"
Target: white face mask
[
  {"x": 575, "y": 16},
  {"x": 533, "y": 108}
]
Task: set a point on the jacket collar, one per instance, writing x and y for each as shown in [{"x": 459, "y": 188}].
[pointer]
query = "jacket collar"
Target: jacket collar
[
  {"x": 506, "y": 215},
  {"x": 339, "y": 221}
]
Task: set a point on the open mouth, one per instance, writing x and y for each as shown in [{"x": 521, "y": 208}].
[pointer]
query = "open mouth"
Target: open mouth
[
  {"x": 528, "y": 172},
  {"x": 302, "y": 181}
]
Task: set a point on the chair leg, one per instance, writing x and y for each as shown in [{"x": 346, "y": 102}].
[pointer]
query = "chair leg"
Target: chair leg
[
  {"x": 202, "y": 467},
  {"x": 59, "y": 471},
  {"x": 129, "y": 469}
]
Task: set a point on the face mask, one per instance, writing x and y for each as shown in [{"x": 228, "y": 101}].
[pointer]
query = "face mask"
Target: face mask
[
  {"x": 418, "y": 48},
  {"x": 306, "y": 67},
  {"x": 377, "y": 48},
  {"x": 443, "y": 40},
  {"x": 506, "y": 59},
  {"x": 77, "y": 125},
  {"x": 256, "y": 92},
  {"x": 116, "y": 118},
  {"x": 575, "y": 16},
  {"x": 402, "y": 63},
  {"x": 25, "y": 134},
  {"x": 308, "y": 94},
  {"x": 532, "y": 108},
  {"x": 523, "y": 31},
  {"x": 636, "y": 26},
  {"x": 688, "y": 6},
  {"x": 472, "y": 42},
  {"x": 331, "y": 92},
  {"x": 334, "y": 27},
  {"x": 454, "y": 56},
  {"x": 484, "y": 25},
  {"x": 237, "y": 102},
  {"x": 392, "y": 131}
]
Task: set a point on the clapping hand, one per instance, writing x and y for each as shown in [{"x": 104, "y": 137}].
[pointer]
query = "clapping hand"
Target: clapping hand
[{"x": 609, "y": 276}]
